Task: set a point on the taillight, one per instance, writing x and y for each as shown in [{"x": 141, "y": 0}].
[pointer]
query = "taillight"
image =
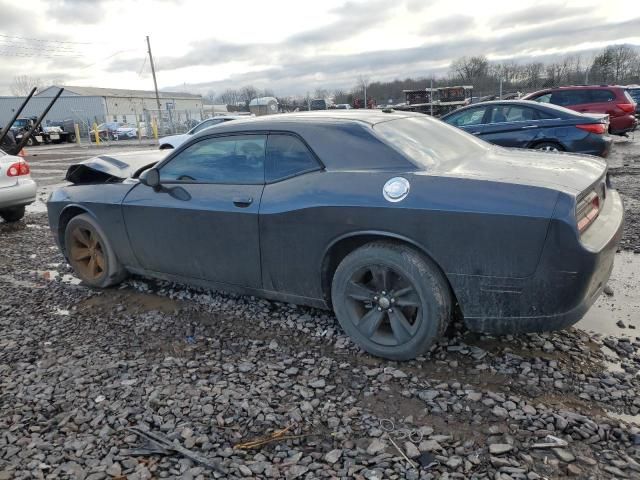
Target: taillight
[
  {"x": 17, "y": 169},
  {"x": 587, "y": 210},
  {"x": 598, "y": 128},
  {"x": 627, "y": 107}
]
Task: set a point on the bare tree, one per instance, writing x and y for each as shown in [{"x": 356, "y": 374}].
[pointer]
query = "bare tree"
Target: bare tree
[
  {"x": 229, "y": 97},
  {"x": 248, "y": 93},
  {"x": 22, "y": 85},
  {"x": 470, "y": 69}
]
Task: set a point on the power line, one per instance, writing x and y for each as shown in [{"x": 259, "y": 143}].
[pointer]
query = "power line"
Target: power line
[
  {"x": 38, "y": 49},
  {"x": 10, "y": 53},
  {"x": 47, "y": 41}
]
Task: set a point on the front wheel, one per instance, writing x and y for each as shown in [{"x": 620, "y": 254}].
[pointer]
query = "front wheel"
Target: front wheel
[
  {"x": 391, "y": 300},
  {"x": 90, "y": 254}
]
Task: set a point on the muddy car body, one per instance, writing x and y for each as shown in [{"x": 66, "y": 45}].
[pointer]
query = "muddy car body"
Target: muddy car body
[{"x": 394, "y": 220}]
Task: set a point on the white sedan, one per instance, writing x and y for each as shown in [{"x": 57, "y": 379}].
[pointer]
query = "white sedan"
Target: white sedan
[
  {"x": 17, "y": 188},
  {"x": 174, "y": 141}
]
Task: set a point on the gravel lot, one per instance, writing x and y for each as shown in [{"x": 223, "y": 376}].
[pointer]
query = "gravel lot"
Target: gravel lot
[{"x": 210, "y": 371}]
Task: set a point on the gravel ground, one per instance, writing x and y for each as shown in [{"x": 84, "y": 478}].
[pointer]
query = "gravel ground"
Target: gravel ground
[
  {"x": 79, "y": 368},
  {"x": 209, "y": 371}
]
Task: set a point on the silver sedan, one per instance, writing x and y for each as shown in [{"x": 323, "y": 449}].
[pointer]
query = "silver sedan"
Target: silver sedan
[{"x": 17, "y": 188}]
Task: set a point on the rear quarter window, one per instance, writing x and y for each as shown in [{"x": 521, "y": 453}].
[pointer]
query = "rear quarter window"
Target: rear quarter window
[
  {"x": 288, "y": 156},
  {"x": 602, "y": 96}
]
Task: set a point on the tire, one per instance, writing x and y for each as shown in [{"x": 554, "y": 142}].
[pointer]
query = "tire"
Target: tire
[
  {"x": 71, "y": 138},
  {"x": 31, "y": 142},
  {"x": 12, "y": 214},
  {"x": 393, "y": 325},
  {"x": 548, "y": 147},
  {"x": 90, "y": 254}
]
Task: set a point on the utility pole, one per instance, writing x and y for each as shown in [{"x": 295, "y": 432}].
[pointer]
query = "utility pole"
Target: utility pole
[
  {"x": 500, "y": 89},
  {"x": 155, "y": 83},
  {"x": 431, "y": 97},
  {"x": 365, "y": 94}
]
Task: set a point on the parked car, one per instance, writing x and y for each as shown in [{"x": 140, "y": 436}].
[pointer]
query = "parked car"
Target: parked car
[
  {"x": 174, "y": 141},
  {"x": 17, "y": 188},
  {"x": 612, "y": 100},
  {"x": 129, "y": 132},
  {"x": 319, "y": 104},
  {"x": 343, "y": 106},
  {"x": 108, "y": 130},
  {"x": 394, "y": 220},
  {"x": 527, "y": 124},
  {"x": 634, "y": 93}
]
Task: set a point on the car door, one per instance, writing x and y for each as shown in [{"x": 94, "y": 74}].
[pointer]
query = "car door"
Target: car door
[
  {"x": 203, "y": 221},
  {"x": 511, "y": 125},
  {"x": 471, "y": 120},
  {"x": 289, "y": 197}
]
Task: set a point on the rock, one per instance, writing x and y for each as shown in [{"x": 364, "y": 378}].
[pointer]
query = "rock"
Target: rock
[
  {"x": 376, "y": 446},
  {"x": 319, "y": 383},
  {"x": 114, "y": 470},
  {"x": 429, "y": 446},
  {"x": 333, "y": 456},
  {"x": 564, "y": 455},
  {"x": 607, "y": 290},
  {"x": 411, "y": 450},
  {"x": 573, "y": 470},
  {"x": 621, "y": 324},
  {"x": 296, "y": 471},
  {"x": 500, "y": 448},
  {"x": 500, "y": 412}
]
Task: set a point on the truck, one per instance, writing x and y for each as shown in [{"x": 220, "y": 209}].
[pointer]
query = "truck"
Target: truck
[
  {"x": 41, "y": 134},
  {"x": 436, "y": 100}
]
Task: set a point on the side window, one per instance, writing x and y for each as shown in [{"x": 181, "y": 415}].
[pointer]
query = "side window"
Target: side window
[
  {"x": 546, "y": 98},
  {"x": 473, "y": 116},
  {"x": 566, "y": 98},
  {"x": 514, "y": 113},
  {"x": 602, "y": 96},
  {"x": 287, "y": 156},
  {"x": 229, "y": 160}
]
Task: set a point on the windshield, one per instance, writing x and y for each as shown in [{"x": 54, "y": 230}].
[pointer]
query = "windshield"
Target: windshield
[
  {"x": 21, "y": 122},
  {"x": 428, "y": 142}
]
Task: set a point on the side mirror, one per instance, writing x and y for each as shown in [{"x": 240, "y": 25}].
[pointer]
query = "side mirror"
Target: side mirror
[{"x": 151, "y": 178}]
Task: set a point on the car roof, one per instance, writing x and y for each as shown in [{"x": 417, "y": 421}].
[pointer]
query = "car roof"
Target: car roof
[
  {"x": 579, "y": 87},
  {"x": 370, "y": 117}
]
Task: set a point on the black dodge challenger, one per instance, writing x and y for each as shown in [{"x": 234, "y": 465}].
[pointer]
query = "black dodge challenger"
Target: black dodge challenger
[{"x": 396, "y": 221}]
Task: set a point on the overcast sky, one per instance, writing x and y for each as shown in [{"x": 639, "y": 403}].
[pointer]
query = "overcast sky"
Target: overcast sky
[{"x": 289, "y": 46}]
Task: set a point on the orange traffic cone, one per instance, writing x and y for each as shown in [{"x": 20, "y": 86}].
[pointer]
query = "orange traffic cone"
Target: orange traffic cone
[{"x": 22, "y": 153}]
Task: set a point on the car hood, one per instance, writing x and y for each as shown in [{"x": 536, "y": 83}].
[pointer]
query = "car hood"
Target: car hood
[
  {"x": 113, "y": 168},
  {"x": 568, "y": 172}
]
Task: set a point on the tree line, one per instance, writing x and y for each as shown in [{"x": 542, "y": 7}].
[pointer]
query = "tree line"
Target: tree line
[{"x": 615, "y": 64}]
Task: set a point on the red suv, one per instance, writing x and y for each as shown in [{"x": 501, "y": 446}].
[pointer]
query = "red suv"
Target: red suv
[{"x": 612, "y": 100}]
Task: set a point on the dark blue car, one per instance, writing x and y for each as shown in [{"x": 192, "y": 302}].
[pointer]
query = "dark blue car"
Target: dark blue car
[
  {"x": 396, "y": 221},
  {"x": 527, "y": 124}
]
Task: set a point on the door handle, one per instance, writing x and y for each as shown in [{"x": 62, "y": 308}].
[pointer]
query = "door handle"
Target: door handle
[
  {"x": 242, "y": 202},
  {"x": 475, "y": 133}
]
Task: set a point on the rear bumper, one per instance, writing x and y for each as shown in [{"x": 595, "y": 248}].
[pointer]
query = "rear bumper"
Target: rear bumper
[
  {"x": 23, "y": 193},
  {"x": 623, "y": 124},
  {"x": 569, "y": 279}
]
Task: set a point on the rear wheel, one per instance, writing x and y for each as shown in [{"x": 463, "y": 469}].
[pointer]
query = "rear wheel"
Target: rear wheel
[
  {"x": 391, "y": 300},
  {"x": 548, "y": 147},
  {"x": 12, "y": 214},
  {"x": 90, "y": 254},
  {"x": 31, "y": 142}
]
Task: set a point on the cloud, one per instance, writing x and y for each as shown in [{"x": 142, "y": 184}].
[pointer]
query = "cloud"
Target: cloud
[
  {"x": 452, "y": 25},
  {"x": 352, "y": 18},
  {"x": 536, "y": 15},
  {"x": 77, "y": 11}
]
